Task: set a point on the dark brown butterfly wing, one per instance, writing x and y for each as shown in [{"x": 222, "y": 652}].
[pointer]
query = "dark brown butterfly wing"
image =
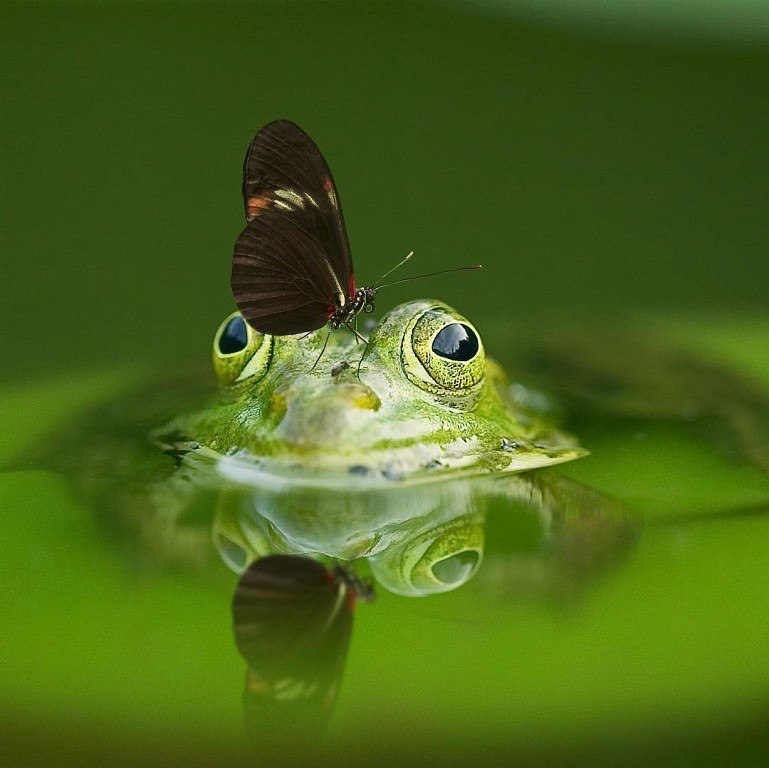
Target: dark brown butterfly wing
[
  {"x": 292, "y": 620},
  {"x": 281, "y": 280},
  {"x": 292, "y": 263}
]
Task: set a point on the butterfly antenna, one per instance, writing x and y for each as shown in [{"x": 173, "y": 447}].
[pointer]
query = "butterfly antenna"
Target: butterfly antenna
[
  {"x": 430, "y": 274},
  {"x": 392, "y": 269}
]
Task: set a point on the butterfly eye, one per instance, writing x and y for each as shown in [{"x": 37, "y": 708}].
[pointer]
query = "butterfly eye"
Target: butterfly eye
[
  {"x": 240, "y": 353},
  {"x": 446, "y": 353}
]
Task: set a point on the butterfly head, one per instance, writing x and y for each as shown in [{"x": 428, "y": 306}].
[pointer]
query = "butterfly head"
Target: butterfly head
[{"x": 363, "y": 300}]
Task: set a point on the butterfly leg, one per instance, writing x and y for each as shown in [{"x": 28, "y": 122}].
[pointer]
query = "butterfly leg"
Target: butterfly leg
[
  {"x": 360, "y": 362},
  {"x": 362, "y": 358},
  {"x": 355, "y": 331},
  {"x": 356, "y": 328},
  {"x": 325, "y": 343}
]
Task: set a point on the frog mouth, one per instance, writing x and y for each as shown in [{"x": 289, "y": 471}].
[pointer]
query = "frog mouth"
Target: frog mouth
[{"x": 417, "y": 464}]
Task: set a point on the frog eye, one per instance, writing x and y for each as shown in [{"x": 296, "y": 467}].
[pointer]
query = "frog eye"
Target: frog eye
[
  {"x": 445, "y": 352},
  {"x": 233, "y": 337},
  {"x": 240, "y": 353},
  {"x": 457, "y": 342},
  {"x": 439, "y": 560},
  {"x": 457, "y": 568},
  {"x": 237, "y": 538}
]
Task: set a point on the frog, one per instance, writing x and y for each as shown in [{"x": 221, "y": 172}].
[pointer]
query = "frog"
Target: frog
[
  {"x": 387, "y": 453},
  {"x": 421, "y": 403},
  {"x": 385, "y": 456}
]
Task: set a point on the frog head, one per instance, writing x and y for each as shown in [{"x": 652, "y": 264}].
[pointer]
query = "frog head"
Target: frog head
[{"x": 420, "y": 401}]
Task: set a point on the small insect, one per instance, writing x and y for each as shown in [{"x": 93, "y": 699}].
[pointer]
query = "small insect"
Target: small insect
[
  {"x": 340, "y": 368},
  {"x": 292, "y": 269}
]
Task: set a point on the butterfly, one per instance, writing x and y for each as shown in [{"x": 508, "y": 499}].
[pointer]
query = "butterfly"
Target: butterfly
[
  {"x": 292, "y": 270},
  {"x": 292, "y": 620}
]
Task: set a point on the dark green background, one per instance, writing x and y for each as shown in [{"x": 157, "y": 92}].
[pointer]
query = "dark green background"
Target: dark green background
[{"x": 586, "y": 168}]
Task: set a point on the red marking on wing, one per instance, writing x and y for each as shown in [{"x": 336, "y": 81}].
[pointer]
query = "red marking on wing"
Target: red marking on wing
[
  {"x": 329, "y": 311},
  {"x": 327, "y": 184},
  {"x": 352, "y": 287},
  {"x": 257, "y": 204}
]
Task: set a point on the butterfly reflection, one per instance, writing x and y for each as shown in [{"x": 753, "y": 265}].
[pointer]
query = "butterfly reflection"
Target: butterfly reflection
[{"x": 292, "y": 620}]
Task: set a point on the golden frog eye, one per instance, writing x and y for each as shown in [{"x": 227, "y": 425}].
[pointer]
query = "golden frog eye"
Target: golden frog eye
[
  {"x": 444, "y": 352},
  {"x": 240, "y": 353}
]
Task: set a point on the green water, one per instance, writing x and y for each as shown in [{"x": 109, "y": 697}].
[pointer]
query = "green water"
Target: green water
[{"x": 598, "y": 176}]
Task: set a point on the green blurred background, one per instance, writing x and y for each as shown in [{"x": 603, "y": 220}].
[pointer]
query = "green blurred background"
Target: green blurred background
[
  {"x": 602, "y": 159},
  {"x": 608, "y": 158}
]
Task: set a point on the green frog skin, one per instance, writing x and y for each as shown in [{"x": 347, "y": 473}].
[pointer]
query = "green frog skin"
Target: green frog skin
[
  {"x": 389, "y": 456},
  {"x": 388, "y": 460},
  {"x": 407, "y": 414}
]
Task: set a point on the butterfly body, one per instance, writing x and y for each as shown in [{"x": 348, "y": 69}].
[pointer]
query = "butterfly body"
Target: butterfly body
[{"x": 361, "y": 301}]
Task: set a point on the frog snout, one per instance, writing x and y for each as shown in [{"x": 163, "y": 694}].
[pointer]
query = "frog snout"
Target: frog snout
[
  {"x": 348, "y": 396},
  {"x": 321, "y": 417},
  {"x": 360, "y": 396}
]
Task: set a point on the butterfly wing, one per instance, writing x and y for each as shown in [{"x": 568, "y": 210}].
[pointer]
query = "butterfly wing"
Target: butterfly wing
[
  {"x": 292, "y": 264},
  {"x": 281, "y": 279},
  {"x": 292, "y": 620}
]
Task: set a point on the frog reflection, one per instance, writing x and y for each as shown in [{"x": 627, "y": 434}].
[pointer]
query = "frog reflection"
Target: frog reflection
[
  {"x": 430, "y": 539},
  {"x": 414, "y": 541},
  {"x": 424, "y": 540}
]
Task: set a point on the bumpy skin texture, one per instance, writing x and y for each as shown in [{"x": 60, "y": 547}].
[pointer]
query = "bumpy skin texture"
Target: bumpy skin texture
[{"x": 407, "y": 414}]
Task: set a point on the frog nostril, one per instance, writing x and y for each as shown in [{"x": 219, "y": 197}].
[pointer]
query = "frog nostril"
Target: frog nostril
[
  {"x": 278, "y": 406},
  {"x": 361, "y": 396}
]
